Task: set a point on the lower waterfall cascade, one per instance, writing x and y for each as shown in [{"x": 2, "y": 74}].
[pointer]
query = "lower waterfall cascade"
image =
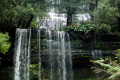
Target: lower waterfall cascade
[{"x": 54, "y": 45}]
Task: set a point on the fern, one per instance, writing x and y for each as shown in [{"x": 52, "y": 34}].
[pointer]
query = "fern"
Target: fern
[
  {"x": 110, "y": 65},
  {"x": 115, "y": 75}
]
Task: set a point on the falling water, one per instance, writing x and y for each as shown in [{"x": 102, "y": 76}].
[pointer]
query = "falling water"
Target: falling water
[
  {"x": 58, "y": 20},
  {"x": 38, "y": 33},
  {"x": 69, "y": 58},
  {"x": 22, "y": 54},
  {"x": 96, "y": 55},
  {"x": 54, "y": 22},
  {"x": 83, "y": 17},
  {"x": 62, "y": 36},
  {"x": 54, "y": 46},
  {"x": 58, "y": 50},
  {"x": 18, "y": 62},
  {"x": 59, "y": 60}
]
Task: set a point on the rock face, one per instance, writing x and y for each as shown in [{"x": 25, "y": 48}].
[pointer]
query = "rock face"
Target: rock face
[{"x": 101, "y": 41}]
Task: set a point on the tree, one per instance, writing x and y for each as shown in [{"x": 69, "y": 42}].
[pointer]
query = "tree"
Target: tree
[
  {"x": 106, "y": 13},
  {"x": 19, "y": 14},
  {"x": 117, "y": 2}
]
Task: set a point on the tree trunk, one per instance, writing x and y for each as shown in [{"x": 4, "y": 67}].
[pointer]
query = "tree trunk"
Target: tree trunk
[
  {"x": 29, "y": 21},
  {"x": 119, "y": 13},
  {"x": 119, "y": 23},
  {"x": 69, "y": 18},
  {"x": 96, "y": 13}
]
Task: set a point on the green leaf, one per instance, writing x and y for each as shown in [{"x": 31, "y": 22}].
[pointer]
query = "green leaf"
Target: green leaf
[{"x": 114, "y": 75}]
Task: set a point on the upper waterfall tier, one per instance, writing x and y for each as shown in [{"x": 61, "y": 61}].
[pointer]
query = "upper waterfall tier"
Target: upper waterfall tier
[
  {"x": 54, "y": 22},
  {"x": 57, "y": 20}
]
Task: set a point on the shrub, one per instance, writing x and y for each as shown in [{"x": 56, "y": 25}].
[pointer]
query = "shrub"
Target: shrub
[
  {"x": 104, "y": 28},
  {"x": 82, "y": 27},
  {"x": 111, "y": 65},
  {"x": 4, "y": 43}
]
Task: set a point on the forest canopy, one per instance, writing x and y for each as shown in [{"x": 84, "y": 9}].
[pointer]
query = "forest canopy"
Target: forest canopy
[{"x": 23, "y": 14}]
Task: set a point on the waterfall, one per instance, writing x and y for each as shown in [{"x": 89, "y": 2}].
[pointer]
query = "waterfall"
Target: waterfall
[
  {"x": 51, "y": 48},
  {"x": 38, "y": 33},
  {"x": 57, "y": 19},
  {"x": 59, "y": 59},
  {"x": 22, "y": 54},
  {"x": 83, "y": 17},
  {"x": 58, "y": 50},
  {"x": 96, "y": 54},
  {"x": 54, "y": 22}
]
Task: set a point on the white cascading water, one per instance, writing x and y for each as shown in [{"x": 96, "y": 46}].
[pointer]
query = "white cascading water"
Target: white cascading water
[
  {"x": 62, "y": 37},
  {"x": 58, "y": 47},
  {"x": 54, "y": 22},
  {"x": 39, "y": 51},
  {"x": 60, "y": 59},
  {"x": 96, "y": 54},
  {"x": 58, "y": 20},
  {"x": 22, "y": 54},
  {"x": 58, "y": 50},
  {"x": 83, "y": 17}
]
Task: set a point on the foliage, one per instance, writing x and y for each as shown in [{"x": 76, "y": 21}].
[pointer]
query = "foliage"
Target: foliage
[
  {"x": 34, "y": 69},
  {"x": 82, "y": 27},
  {"x": 19, "y": 14},
  {"x": 80, "y": 55},
  {"x": 104, "y": 28},
  {"x": 111, "y": 66},
  {"x": 4, "y": 43},
  {"x": 72, "y": 5},
  {"x": 106, "y": 13},
  {"x": 92, "y": 5},
  {"x": 34, "y": 25}
]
